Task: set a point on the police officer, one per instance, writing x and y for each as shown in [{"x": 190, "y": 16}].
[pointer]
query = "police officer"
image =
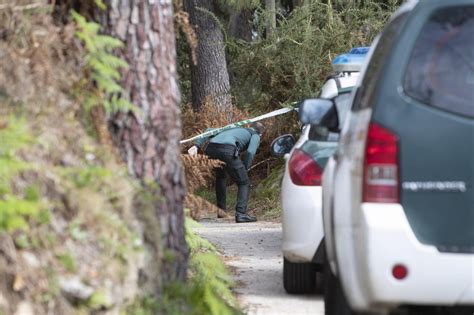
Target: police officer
[{"x": 227, "y": 146}]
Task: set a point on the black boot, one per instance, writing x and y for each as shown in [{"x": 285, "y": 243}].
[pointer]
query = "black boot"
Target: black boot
[{"x": 244, "y": 218}]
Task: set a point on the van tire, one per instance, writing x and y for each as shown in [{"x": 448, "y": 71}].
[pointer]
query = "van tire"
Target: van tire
[{"x": 299, "y": 278}]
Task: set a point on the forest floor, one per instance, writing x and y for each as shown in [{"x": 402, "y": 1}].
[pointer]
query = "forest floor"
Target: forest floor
[{"x": 252, "y": 251}]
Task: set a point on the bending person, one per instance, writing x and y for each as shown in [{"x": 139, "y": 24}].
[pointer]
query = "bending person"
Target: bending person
[{"x": 227, "y": 146}]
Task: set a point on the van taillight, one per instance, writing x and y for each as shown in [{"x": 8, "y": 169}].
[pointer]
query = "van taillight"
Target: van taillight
[
  {"x": 381, "y": 166},
  {"x": 304, "y": 171}
]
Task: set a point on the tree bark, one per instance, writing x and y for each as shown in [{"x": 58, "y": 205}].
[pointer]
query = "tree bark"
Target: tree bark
[
  {"x": 241, "y": 24},
  {"x": 209, "y": 77},
  {"x": 149, "y": 140},
  {"x": 270, "y": 7}
]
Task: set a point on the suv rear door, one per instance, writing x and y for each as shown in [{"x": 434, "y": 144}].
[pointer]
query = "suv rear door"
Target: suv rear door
[{"x": 428, "y": 102}]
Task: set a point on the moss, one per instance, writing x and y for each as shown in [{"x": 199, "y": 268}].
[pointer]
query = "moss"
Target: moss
[
  {"x": 99, "y": 300},
  {"x": 68, "y": 262},
  {"x": 50, "y": 240},
  {"x": 90, "y": 176},
  {"x": 32, "y": 193},
  {"x": 22, "y": 241},
  {"x": 53, "y": 282},
  {"x": 143, "y": 306},
  {"x": 76, "y": 231},
  {"x": 15, "y": 212}
]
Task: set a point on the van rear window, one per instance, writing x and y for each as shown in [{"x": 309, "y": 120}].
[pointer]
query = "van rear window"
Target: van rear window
[{"x": 441, "y": 69}]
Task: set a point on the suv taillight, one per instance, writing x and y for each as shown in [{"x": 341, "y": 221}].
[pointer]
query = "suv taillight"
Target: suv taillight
[
  {"x": 381, "y": 166},
  {"x": 304, "y": 171}
]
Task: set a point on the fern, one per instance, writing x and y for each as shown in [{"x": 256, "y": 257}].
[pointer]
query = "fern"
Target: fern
[
  {"x": 15, "y": 211},
  {"x": 211, "y": 280},
  {"x": 100, "y": 4},
  {"x": 103, "y": 66},
  {"x": 12, "y": 137}
]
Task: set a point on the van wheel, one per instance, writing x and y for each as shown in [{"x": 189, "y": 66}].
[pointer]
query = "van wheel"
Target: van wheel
[
  {"x": 335, "y": 302},
  {"x": 299, "y": 278}
]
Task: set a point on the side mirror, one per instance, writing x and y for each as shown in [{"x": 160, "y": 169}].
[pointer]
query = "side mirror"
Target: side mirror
[
  {"x": 282, "y": 145},
  {"x": 318, "y": 111}
]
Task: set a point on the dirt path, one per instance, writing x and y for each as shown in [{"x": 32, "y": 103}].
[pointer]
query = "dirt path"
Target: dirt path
[{"x": 253, "y": 252}]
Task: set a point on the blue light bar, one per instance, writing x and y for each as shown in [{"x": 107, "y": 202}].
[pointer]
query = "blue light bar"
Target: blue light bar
[{"x": 351, "y": 61}]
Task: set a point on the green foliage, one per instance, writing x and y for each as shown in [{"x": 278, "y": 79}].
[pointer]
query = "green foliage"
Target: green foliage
[
  {"x": 91, "y": 176},
  {"x": 68, "y": 262},
  {"x": 32, "y": 193},
  {"x": 194, "y": 241},
  {"x": 17, "y": 209},
  {"x": 144, "y": 306},
  {"x": 206, "y": 292},
  {"x": 22, "y": 241},
  {"x": 266, "y": 196},
  {"x": 13, "y": 137},
  {"x": 99, "y": 300},
  {"x": 239, "y": 4},
  {"x": 100, "y": 4},
  {"x": 211, "y": 282},
  {"x": 76, "y": 232},
  {"x": 294, "y": 62},
  {"x": 103, "y": 67},
  {"x": 14, "y": 213}
]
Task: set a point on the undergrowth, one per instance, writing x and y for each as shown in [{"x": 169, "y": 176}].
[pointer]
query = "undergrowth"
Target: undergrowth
[
  {"x": 265, "y": 198},
  {"x": 294, "y": 62},
  {"x": 17, "y": 208},
  {"x": 208, "y": 290},
  {"x": 62, "y": 211},
  {"x": 103, "y": 68}
]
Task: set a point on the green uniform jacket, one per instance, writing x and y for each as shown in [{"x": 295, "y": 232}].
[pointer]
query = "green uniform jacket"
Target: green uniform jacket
[{"x": 246, "y": 139}]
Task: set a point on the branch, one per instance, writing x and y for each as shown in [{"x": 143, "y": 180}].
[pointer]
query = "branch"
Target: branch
[{"x": 261, "y": 162}]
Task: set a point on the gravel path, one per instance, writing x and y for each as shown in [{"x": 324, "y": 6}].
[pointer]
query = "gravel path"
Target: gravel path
[{"x": 253, "y": 253}]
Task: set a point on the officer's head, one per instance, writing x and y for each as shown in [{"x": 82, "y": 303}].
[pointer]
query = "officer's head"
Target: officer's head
[{"x": 258, "y": 127}]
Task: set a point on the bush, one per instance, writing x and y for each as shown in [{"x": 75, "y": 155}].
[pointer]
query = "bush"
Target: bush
[{"x": 294, "y": 62}]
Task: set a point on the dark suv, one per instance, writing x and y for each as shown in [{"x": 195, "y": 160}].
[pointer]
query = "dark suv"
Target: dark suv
[{"x": 398, "y": 201}]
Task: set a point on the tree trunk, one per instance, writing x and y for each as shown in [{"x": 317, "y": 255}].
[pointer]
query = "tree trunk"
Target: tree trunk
[
  {"x": 241, "y": 24},
  {"x": 149, "y": 140},
  {"x": 209, "y": 77},
  {"x": 271, "y": 22}
]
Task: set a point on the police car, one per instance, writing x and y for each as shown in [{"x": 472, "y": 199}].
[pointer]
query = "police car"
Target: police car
[{"x": 301, "y": 186}]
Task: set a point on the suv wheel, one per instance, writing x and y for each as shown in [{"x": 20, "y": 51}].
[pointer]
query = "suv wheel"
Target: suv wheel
[
  {"x": 335, "y": 302},
  {"x": 299, "y": 278}
]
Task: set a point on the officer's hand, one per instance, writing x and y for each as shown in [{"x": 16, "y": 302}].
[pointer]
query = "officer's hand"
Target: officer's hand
[{"x": 193, "y": 150}]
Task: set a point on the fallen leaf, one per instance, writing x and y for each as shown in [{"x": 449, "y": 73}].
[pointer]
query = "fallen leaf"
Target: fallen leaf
[{"x": 19, "y": 283}]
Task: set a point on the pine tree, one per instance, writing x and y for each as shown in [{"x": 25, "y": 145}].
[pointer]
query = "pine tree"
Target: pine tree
[{"x": 149, "y": 138}]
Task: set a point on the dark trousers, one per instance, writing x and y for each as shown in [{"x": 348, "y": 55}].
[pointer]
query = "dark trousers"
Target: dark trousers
[{"x": 235, "y": 169}]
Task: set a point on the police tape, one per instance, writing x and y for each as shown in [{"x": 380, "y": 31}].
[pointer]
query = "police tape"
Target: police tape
[{"x": 213, "y": 132}]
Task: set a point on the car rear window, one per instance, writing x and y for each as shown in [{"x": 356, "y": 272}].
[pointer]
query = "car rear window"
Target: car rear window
[{"x": 440, "y": 72}]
